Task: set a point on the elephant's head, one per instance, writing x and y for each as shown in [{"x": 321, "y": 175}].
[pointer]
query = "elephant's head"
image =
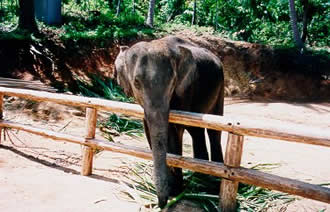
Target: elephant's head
[{"x": 150, "y": 73}]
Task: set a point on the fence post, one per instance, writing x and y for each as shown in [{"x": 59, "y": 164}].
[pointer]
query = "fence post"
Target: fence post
[
  {"x": 228, "y": 188},
  {"x": 1, "y": 113},
  {"x": 88, "y": 152}
]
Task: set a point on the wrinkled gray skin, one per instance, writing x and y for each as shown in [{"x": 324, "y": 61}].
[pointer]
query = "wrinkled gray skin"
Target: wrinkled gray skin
[{"x": 171, "y": 73}]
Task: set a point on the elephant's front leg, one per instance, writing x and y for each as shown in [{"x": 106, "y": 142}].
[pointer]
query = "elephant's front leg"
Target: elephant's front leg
[
  {"x": 175, "y": 134},
  {"x": 147, "y": 132},
  {"x": 175, "y": 147}
]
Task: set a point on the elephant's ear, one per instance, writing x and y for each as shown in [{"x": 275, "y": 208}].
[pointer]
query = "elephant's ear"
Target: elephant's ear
[
  {"x": 186, "y": 67},
  {"x": 120, "y": 71},
  {"x": 185, "y": 56},
  {"x": 123, "y": 48}
]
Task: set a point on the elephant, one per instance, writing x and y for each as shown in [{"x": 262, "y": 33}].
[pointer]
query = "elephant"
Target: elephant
[{"x": 172, "y": 73}]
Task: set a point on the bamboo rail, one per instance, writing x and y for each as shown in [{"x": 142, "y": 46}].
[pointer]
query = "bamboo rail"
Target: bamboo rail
[
  {"x": 16, "y": 83},
  {"x": 230, "y": 171}
]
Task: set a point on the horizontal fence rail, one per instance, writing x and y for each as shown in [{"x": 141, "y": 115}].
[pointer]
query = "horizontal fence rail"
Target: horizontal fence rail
[
  {"x": 16, "y": 83},
  {"x": 230, "y": 170},
  {"x": 274, "y": 129}
]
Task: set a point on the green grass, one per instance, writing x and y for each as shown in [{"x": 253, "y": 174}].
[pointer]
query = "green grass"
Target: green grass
[
  {"x": 250, "y": 198},
  {"x": 102, "y": 26},
  {"x": 15, "y": 35},
  {"x": 93, "y": 24}
]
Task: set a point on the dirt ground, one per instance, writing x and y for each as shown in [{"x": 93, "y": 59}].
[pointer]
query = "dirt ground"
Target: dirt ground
[{"x": 37, "y": 174}]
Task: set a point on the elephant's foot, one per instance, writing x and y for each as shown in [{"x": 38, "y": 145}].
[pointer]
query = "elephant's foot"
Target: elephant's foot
[
  {"x": 162, "y": 201},
  {"x": 211, "y": 184},
  {"x": 176, "y": 189}
]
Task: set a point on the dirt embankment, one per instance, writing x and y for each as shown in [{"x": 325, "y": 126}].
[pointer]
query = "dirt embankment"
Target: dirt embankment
[
  {"x": 251, "y": 70},
  {"x": 257, "y": 70}
]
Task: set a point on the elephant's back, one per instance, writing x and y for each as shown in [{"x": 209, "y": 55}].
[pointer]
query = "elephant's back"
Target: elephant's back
[
  {"x": 207, "y": 90},
  {"x": 203, "y": 94}
]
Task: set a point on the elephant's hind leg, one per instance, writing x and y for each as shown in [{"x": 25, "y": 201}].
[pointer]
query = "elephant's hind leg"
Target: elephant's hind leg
[
  {"x": 215, "y": 144},
  {"x": 199, "y": 143},
  {"x": 215, "y": 136}
]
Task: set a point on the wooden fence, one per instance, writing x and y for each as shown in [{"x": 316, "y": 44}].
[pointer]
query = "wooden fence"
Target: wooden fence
[{"x": 230, "y": 170}]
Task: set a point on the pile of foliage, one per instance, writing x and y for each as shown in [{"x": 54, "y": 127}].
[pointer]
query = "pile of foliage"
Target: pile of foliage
[
  {"x": 108, "y": 89},
  {"x": 197, "y": 189}
]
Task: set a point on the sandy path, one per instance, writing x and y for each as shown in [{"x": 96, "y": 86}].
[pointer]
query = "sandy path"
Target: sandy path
[
  {"x": 299, "y": 161},
  {"x": 45, "y": 176},
  {"x": 29, "y": 186},
  {"x": 303, "y": 162}
]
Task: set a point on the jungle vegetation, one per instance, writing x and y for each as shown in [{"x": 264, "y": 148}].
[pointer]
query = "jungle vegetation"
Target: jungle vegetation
[{"x": 275, "y": 22}]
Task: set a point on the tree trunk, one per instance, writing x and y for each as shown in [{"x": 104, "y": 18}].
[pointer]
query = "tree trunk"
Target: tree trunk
[
  {"x": 216, "y": 16},
  {"x": 133, "y": 8},
  {"x": 305, "y": 4},
  {"x": 110, "y": 4},
  {"x": 193, "y": 20},
  {"x": 26, "y": 16},
  {"x": 177, "y": 8},
  {"x": 118, "y": 8},
  {"x": 150, "y": 18},
  {"x": 293, "y": 21}
]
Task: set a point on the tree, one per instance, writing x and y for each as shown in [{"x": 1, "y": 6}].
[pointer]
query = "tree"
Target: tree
[
  {"x": 26, "y": 16},
  {"x": 150, "y": 18},
  {"x": 111, "y": 4},
  {"x": 193, "y": 20},
  {"x": 293, "y": 21},
  {"x": 118, "y": 8},
  {"x": 174, "y": 8},
  {"x": 305, "y": 4},
  {"x": 216, "y": 15},
  {"x": 133, "y": 6}
]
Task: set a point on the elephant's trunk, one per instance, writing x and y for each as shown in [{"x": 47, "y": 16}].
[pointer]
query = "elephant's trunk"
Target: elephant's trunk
[{"x": 157, "y": 120}]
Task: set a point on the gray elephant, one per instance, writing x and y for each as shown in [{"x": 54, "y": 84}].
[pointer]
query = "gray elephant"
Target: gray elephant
[{"x": 172, "y": 73}]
